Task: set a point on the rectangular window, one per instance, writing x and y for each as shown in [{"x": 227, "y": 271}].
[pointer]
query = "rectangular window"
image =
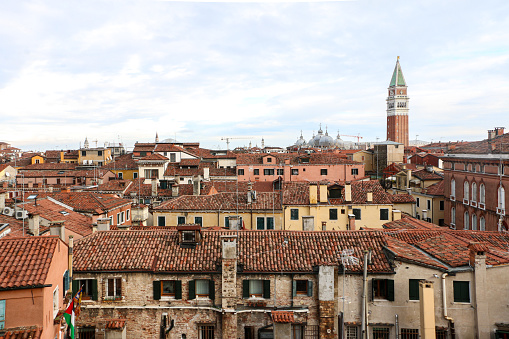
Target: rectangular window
[
  {"x": 323, "y": 171},
  {"x": 280, "y": 172},
  {"x": 270, "y": 223},
  {"x": 441, "y": 205},
  {"x": 357, "y": 213},
  {"x": 269, "y": 159},
  {"x": 256, "y": 289},
  {"x": 256, "y": 171},
  {"x": 352, "y": 332},
  {"x": 88, "y": 288},
  {"x": 83, "y": 153},
  {"x": 173, "y": 157},
  {"x": 429, "y": 204},
  {"x": 333, "y": 214},
  {"x": 268, "y": 171},
  {"x": 135, "y": 175},
  {"x": 260, "y": 223},
  {"x": 240, "y": 171},
  {"x": 384, "y": 214},
  {"x": 295, "y": 171},
  {"x": 128, "y": 215},
  {"x": 381, "y": 333},
  {"x": 114, "y": 288},
  {"x": 409, "y": 333},
  {"x": 461, "y": 291},
  {"x": 294, "y": 214},
  {"x": 2, "y": 314},
  {"x": 181, "y": 220},
  {"x": 355, "y": 171},
  {"x": 65, "y": 282},
  {"x": 100, "y": 153},
  {"x": 413, "y": 289},
  {"x": 198, "y": 221},
  {"x": 206, "y": 332},
  {"x": 171, "y": 288},
  {"x": 122, "y": 217},
  {"x": 303, "y": 288},
  {"x": 297, "y": 332},
  {"x": 383, "y": 289},
  {"x": 118, "y": 218},
  {"x": 161, "y": 220},
  {"x": 202, "y": 288},
  {"x": 264, "y": 223},
  {"x": 417, "y": 202}
]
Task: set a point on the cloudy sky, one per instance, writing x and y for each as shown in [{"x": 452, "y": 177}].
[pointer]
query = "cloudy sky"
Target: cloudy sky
[{"x": 201, "y": 71}]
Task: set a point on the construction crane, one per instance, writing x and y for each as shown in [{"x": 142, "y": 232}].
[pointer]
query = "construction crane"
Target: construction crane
[
  {"x": 353, "y": 136},
  {"x": 230, "y": 138}
]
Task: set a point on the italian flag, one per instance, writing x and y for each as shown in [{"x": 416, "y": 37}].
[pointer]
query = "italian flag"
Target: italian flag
[{"x": 69, "y": 318}]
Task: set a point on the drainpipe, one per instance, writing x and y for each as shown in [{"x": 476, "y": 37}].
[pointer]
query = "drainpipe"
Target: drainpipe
[
  {"x": 397, "y": 327},
  {"x": 364, "y": 299},
  {"x": 444, "y": 297}
]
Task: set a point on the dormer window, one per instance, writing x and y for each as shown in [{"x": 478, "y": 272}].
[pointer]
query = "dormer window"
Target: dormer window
[{"x": 189, "y": 235}]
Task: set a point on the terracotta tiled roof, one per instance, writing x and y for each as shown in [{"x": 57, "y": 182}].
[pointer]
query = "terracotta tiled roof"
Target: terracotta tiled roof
[
  {"x": 145, "y": 190},
  {"x": 436, "y": 189},
  {"x": 31, "y": 332},
  {"x": 425, "y": 175},
  {"x": 51, "y": 211},
  {"x": 409, "y": 223},
  {"x": 259, "y": 251},
  {"x": 61, "y": 166},
  {"x": 222, "y": 201},
  {"x": 123, "y": 162},
  {"x": 496, "y": 145},
  {"x": 359, "y": 193},
  {"x": 115, "y": 324},
  {"x": 114, "y": 186},
  {"x": 16, "y": 227},
  {"x": 208, "y": 154},
  {"x": 25, "y": 262},
  {"x": 144, "y": 147},
  {"x": 154, "y": 157},
  {"x": 190, "y": 162},
  {"x": 90, "y": 202},
  {"x": 401, "y": 198},
  {"x": 409, "y": 253},
  {"x": 282, "y": 316},
  {"x": 168, "y": 148}
]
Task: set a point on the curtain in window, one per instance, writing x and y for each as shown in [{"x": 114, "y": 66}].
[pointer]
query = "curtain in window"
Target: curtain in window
[
  {"x": 202, "y": 287},
  {"x": 255, "y": 287}
]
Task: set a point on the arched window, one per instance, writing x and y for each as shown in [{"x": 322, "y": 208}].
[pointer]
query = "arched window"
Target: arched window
[
  {"x": 466, "y": 193},
  {"x": 474, "y": 191},
  {"x": 501, "y": 198},
  {"x": 474, "y": 222},
  {"x": 453, "y": 187},
  {"x": 453, "y": 215},
  {"x": 482, "y": 194},
  {"x": 465, "y": 221},
  {"x": 482, "y": 224}
]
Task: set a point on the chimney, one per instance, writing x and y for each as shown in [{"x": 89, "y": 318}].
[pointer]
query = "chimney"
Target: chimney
[
  {"x": 33, "y": 223},
  {"x": 2, "y": 201},
  {"x": 348, "y": 191},
  {"x": 234, "y": 222},
  {"x": 57, "y": 228},
  {"x": 326, "y": 301},
  {"x": 396, "y": 215},
  {"x": 206, "y": 173},
  {"x": 313, "y": 192},
  {"x": 425, "y": 215},
  {"x": 287, "y": 161},
  {"x": 196, "y": 186},
  {"x": 491, "y": 134},
  {"x": 308, "y": 223},
  {"x": 175, "y": 190},
  {"x": 499, "y": 131},
  {"x": 61, "y": 156},
  {"x": 478, "y": 262},
  {"x": 351, "y": 222},
  {"x": 427, "y": 308},
  {"x": 408, "y": 177},
  {"x": 103, "y": 224},
  {"x": 324, "y": 225},
  {"x": 323, "y": 193},
  {"x": 154, "y": 187},
  {"x": 94, "y": 228},
  {"x": 229, "y": 285}
]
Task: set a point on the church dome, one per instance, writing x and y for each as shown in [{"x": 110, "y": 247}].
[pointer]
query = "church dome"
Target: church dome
[
  {"x": 300, "y": 141},
  {"x": 326, "y": 140}
]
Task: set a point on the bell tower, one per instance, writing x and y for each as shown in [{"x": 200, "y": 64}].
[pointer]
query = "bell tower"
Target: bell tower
[{"x": 397, "y": 107}]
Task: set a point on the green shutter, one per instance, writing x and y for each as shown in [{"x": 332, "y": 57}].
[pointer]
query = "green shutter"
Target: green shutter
[
  {"x": 413, "y": 289},
  {"x": 212, "y": 290},
  {"x": 310, "y": 288},
  {"x": 94, "y": 289},
  {"x": 260, "y": 223},
  {"x": 192, "y": 289},
  {"x": 294, "y": 288},
  {"x": 390, "y": 289},
  {"x": 266, "y": 289},
  {"x": 75, "y": 287},
  {"x": 461, "y": 291},
  {"x": 270, "y": 223},
  {"x": 157, "y": 290},
  {"x": 178, "y": 289},
  {"x": 245, "y": 289}
]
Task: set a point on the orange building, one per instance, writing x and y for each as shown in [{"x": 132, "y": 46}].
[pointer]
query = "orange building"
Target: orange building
[{"x": 32, "y": 286}]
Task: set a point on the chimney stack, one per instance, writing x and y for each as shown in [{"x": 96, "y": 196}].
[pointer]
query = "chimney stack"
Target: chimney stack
[
  {"x": 2, "y": 201},
  {"x": 323, "y": 193},
  {"x": 175, "y": 190},
  {"x": 154, "y": 187},
  {"x": 206, "y": 173},
  {"x": 196, "y": 186},
  {"x": 351, "y": 222},
  {"x": 103, "y": 224},
  {"x": 58, "y": 228},
  {"x": 348, "y": 191},
  {"x": 234, "y": 222},
  {"x": 33, "y": 223},
  {"x": 369, "y": 195}
]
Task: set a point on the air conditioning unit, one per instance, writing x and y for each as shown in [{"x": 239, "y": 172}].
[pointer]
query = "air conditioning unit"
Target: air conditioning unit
[
  {"x": 21, "y": 214},
  {"x": 482, "y": 206},
  {"x": 465, "y": 201},
  {"x": 8, "y": 211},
  {"x": 501, "y": 211},
  {"x": 473, "y": 203},
  {"x": 452, "y": 197}
]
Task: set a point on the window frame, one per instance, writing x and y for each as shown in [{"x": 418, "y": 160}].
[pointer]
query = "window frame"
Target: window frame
[
  {"x": 295, "y": 171},
  {"x": 206, "y": 331},
  {"x": 413, "y": 289},
  {"x": 256, "y": 171},
  {"x": 359, "y": 212},
  {"x": 323, "y": 171},
  {"x": 161, "y": 218},
  {"x": 384, "y": 217},
  {"x": 200, "y": 218},
  {"x": 294, "y": 214},
  {"x": 333, "y": 214},
  {"x": 354, "y": 171},
  {"x": 179, "y": 218},
  {"x": 247, "y": 292},
  {"x": 382, "y": 289},
  {"x": 268, "y": 171},
  {"x": 240, "y": 171},
  {"x": 116, "y": 288},
  {"x": 461, "y": 291}
]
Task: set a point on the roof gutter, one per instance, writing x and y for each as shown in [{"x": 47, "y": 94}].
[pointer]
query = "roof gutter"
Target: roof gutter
[{"x": 25, "y": 287}]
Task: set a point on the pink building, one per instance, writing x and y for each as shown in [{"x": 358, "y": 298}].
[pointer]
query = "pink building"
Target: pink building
[{"x": 297, "y": 167}]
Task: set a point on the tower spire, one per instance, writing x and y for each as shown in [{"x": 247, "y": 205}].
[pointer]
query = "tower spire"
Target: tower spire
[{"x": 397, "y": 107}]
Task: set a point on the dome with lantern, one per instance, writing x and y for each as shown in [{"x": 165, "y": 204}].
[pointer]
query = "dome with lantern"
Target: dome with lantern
[
  {"x": 301, "y": 141},
  {"x": 326, "y": 140}
]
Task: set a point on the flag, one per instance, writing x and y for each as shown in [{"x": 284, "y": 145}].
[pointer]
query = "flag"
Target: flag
[
  {"x": 77, "y": 303},
  {"x": 69, "y": 318}
]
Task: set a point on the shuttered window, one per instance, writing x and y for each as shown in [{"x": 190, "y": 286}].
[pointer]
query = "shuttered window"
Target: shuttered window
[
  {"x": 256, "y": 289},
  {"x": 461, "y": 291},
  {"x": 413, "y": 289}
]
